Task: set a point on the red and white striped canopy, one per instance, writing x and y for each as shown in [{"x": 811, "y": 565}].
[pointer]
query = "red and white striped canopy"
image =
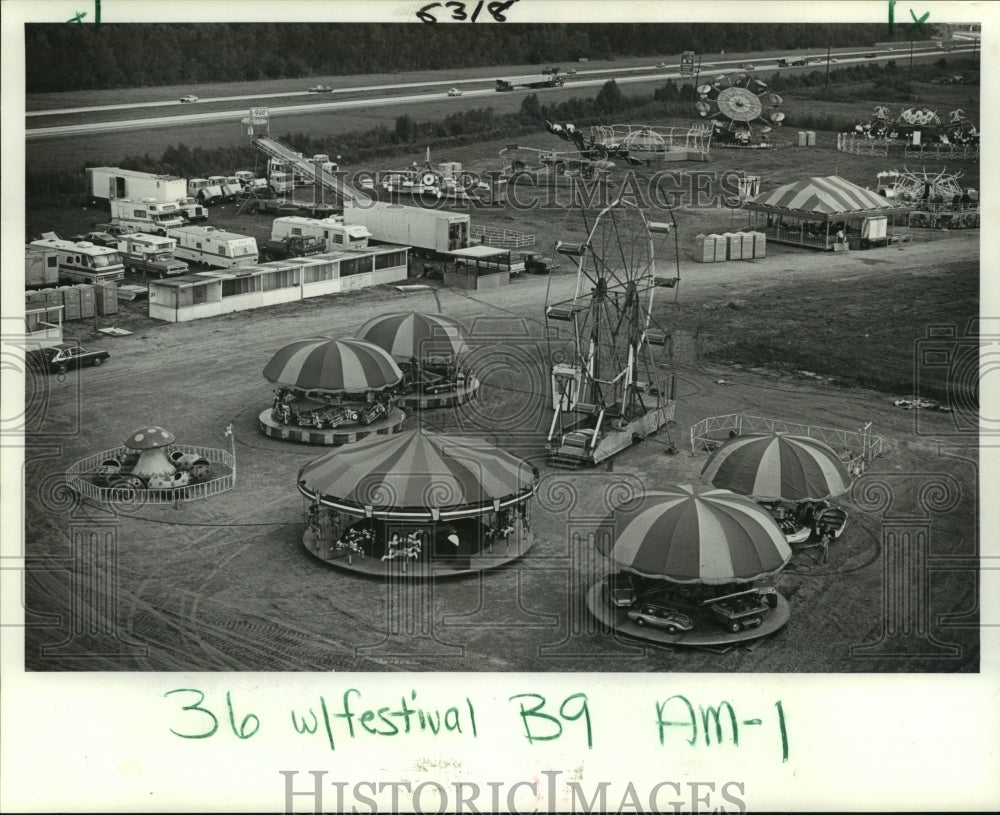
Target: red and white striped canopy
[
  {"x": 822, "y": 195},
  {"x": 413, "y": 334},
  {"x": 418, "y": 475},
  {"x": 696, "y": 534},
  {"x": 333, "y": 366},
  {"x": 777, "y": 466}
]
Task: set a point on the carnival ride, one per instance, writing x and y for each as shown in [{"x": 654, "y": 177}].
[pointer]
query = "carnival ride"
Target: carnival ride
[
  {"x": 639, "y": 144},
  {"x": 150, "y": 468},
  {"x": 957, "y": 130},
  {"x": 742, "y": 110},
  {"x": 332, "y": 391},
  {"x": 939, "y": 199},
  {"x": 434, "y": 182},
  {"x": 535, "y": 166},
  {"x": 607, "y": 391}
]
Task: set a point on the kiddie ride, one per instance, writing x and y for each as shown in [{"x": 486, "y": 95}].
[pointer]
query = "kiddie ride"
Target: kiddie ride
[
  {"x": 292, "y": 408},
  {"x": 809, "y": 523}
]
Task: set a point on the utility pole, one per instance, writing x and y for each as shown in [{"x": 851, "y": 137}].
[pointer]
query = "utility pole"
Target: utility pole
[
  {"x": 827, "y": 81},
  {"x": 911, "y": 59}
]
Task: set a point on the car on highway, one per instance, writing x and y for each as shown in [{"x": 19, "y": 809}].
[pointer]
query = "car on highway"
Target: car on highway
[
  {"x": 871, "y": 56},
  {"x": 747, "y": 66},
  {"x": 536, "y": 263},
  {"x": 662, "y": 65},
  {"x": 189, "y": 98},
  {"x": 454, "y": 92},
  {"x": 669, "y": 619},
  {"x": 62, "y": 357},
  {"x": 320, "y": 89},
  {"x": 571, "y": 70},
  {"x": 97, "y": 238},
  {"x": 834, "y": 59}
]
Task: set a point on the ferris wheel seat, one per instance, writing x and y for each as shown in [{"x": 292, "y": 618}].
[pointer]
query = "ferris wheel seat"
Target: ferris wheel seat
[{"x": 571, "y": 249}]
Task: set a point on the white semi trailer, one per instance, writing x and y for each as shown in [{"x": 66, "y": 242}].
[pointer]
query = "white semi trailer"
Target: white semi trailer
[{"x": 108, "y": 183}]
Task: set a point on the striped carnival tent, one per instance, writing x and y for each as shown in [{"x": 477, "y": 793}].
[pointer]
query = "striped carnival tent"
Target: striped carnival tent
[
  {"x": 323, "y": 365},
  {"x": 695, "y": 534},
  {"x": 411, "y": 334},
  {"x": 812, "y": 212},
  {"x": 418, "y": 476},
  {"x": 778, "y": 467}
]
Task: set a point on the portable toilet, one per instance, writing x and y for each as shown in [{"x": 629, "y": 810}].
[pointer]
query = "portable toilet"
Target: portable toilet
[
  {"x": 802, "y": 140},
  {"x": 720, "y": 246},
  {"x": 704, "y": 248},
  {"x": 71, "y": 302},
  {"x": 810, "y": 138},
  {"x": 106, "y": 295},
  {"x": 734, "y": 245},
  {"x": 746, "y": 250},
  {"x": 759, "y": 244},
  {"x": 87, "y": 304}
]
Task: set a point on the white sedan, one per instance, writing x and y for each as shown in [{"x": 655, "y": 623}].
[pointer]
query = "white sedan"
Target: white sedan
[
  {"x": 454, "y": 92},
  {"x": 189, "y": 98}
]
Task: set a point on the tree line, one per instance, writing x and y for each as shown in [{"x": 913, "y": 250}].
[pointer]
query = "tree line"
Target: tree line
[{"x": 60, "y": 57}]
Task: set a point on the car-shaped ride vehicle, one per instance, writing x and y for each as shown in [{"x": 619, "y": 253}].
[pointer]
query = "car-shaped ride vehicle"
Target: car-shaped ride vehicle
[
  {"x": 669, "y": 619},
  {"x": 60, "y": 358},
  {"x": 742, "y": 609},
  {"x": 620, "y": 590},
  {"x": 189, "y": 98},
  {"x": 454, "y": 92},
  {"x": 537, "y": 263}
]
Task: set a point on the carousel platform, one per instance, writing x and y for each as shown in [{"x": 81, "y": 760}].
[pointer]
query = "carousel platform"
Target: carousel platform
[
  {"x": 345, "y": 434},
  {"x": 502, "y": 553},
  {"x": 459, "y": 395},
  {"x": 617, "y": 620}
]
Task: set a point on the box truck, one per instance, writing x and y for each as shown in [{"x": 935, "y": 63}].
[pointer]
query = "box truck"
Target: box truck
[
  {"x": 83, "y": 262},
  {"x": 150, "y": 254},
  {"x": 202, "y": 191},
  {"x": 209, "y": 246},
  {"x": 109, "y": 183},
  {"x": 333, "y": 232},
  {"x": 430, "y": 232},
  {"x": 146, "y": 214}
]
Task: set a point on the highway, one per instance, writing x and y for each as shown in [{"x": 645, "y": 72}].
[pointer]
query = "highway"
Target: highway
[{"x": 360, "y": 97}]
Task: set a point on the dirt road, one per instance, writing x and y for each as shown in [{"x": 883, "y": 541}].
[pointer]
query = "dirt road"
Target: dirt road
[{"x": 226, "y": 585}]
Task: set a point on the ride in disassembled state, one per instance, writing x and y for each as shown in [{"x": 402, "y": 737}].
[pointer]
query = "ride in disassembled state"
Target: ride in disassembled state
[
  {"x": 638, "y": 144},
  {"x": 607, "y": 390},
  {"x": 742, "y": 109}
]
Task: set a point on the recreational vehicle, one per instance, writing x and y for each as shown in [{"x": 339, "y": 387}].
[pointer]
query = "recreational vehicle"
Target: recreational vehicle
[
  {"x": 83, "y": 262},
  {"x": 214, "y": 247}
]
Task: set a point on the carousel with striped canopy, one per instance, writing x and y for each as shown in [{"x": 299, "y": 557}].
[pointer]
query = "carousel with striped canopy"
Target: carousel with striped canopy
[
  {"x": 332, "y": 391},
  {"x": 691, "y": 565},
  {"x": 429, "y": 349},
  {"x": 419, "y": 503}
]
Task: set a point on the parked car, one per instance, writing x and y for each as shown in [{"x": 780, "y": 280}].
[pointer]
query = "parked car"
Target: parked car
[
  {"x": 97, "y": 238},
  {"x": 115, "y": 230},
  {"x": 620, "y": 590},
  {"x": 189, "y": 98},
  {"x": 454, "y": 92},
  {"x": 320, "y": 89},
  {"x": 536, "y": 263},
  {"x": 669, "y": 619},
  {"x": 60, "y": 358}
]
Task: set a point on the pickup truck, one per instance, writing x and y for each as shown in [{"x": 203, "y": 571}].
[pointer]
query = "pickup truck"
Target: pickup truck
[
  {"x": 150, "y": 254},
  {"x": 537, "y": 263},
  {"x": 294, "y": 246}
]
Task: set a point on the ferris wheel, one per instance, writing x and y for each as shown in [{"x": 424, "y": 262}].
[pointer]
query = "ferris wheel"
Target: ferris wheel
[
  {"x": 739, "y": 105},
  {"x": 607, "y": 390}
]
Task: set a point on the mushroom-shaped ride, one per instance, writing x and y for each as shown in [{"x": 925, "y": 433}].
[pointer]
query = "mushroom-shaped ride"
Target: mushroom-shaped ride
[{"x": 151, "y": 443}]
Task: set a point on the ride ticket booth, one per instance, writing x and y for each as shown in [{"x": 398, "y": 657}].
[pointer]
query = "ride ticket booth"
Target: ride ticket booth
[{"x": 478, "y": 268}]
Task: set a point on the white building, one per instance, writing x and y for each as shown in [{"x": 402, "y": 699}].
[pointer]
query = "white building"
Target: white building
[{"x": 208, "y": 294}]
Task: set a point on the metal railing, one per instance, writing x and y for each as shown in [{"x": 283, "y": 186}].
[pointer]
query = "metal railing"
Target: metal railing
[
  {"x": 76, "y": 478},
  {"x": 857, "y": 448}
]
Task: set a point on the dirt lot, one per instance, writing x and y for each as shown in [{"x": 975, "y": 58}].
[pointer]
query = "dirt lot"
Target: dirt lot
[{"x": 226, "y": 585}]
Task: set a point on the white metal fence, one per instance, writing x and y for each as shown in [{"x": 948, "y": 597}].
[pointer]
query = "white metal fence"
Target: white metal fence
[
  {"x": 857, "y": 448},
  {"x": 76, "y": 478}
]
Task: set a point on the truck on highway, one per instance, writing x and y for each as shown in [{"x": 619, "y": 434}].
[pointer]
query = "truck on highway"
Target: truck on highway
[
  {"x": 554, "y": 81},
  {"x": 153, "y": 255},
  {"x": 503, "y": 86},
  {"x": 83, "y": 262},
  {"x": 213, "y": 247},
  {"x": 430, "y": 232},
  {"x": 146, "y": 214},
  {"x": 108, "y": 183},
  {"x": 41, "y": 267},
  {"x": 333, "y": 232}
]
